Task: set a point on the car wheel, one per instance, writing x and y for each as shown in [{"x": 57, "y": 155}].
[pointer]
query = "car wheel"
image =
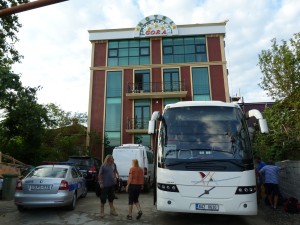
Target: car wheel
[
  {"x": 85, "y": 191},
  {"x": 21, "y": 208},
  {"x": 73, "y": 203}
]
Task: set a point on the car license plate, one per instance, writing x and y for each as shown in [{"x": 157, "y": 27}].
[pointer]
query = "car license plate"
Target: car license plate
[
  {"x": 209, "y": 207},
  {"x": 40, "y": 187}
]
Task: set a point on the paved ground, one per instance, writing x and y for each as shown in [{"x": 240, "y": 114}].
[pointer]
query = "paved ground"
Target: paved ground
[{"x": 87, "y": 213}]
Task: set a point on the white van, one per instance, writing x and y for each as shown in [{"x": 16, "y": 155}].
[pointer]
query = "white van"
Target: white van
[{"x": 123, "y": 156}]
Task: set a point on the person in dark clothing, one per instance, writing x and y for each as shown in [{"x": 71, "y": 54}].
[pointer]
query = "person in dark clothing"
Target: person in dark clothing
[
  {"x": 117, "y": 177},
  {"x": 259, "y": 177},
  {"x": 107, "y": 180},
  {"x": 270, "y": 172}
]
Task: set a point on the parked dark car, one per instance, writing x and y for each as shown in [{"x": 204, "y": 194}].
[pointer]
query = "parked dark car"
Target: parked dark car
[{"x": 89, "y": 167}]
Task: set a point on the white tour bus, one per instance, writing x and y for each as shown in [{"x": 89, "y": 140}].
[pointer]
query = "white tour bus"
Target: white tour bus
[{"x": 203, "y": 157}]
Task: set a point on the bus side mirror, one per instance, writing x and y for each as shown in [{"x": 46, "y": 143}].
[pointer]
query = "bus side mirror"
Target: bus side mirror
[
  {"x": 151, "y": 127},
  {"x": 263, "y": 126}
]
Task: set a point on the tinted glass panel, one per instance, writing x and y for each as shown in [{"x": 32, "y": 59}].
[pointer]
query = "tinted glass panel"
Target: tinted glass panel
[{"x": 184, "y": 49}]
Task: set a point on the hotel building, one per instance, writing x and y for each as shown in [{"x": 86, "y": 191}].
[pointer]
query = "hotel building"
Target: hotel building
[{"x": 135, "y": 71}]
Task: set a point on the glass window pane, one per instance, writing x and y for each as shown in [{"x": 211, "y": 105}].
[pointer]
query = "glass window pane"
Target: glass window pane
[
  {"x": 144, "y": 60},
  {"x": 178, "y": 50},
  {"x": 190, "y": 58},
  {"x": 134, "y": 43},
  {"x": 189, "y": 49},
  {"x": 123, "y": 52},
  {"x": 133, "y": 60},
  {"x": 200, "y": 81},
  {"x": 123, "y": 44},
  {"x": 171, "y": 100},
  {"x": 167, "y": 41},
  {"x": 113, "y": 44},
  {"x": 201, "y": 57},
  {"x": 114, "y": 138},
  {"x": 189, "y": 41},
  {"x": 113, "y": 114},
  {"x": 113, "y": 53},
  {"x": 178, "y": 58},
  {"x": 113, "y": 84},
  {"x": 123, "y": 61},
  {"x": 200, "y": 40},
  {"x": 143, "y": 139},
  {"x": 201, "y": 98},
  {"x": 178, "y": 41},
  {"x": 144, "y": 51},
  {"x": 144, "y": 43},
  {"x": 200, "y": 48},
  {"x": 167, "y": 59},
  {"x": 168, "y": 50},
  {"x": 134, "y": 52},
  {"x": 112, "y": 61}
]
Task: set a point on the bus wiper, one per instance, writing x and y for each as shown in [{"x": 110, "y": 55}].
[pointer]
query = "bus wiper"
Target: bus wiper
[{"x": 177, "y": 163}]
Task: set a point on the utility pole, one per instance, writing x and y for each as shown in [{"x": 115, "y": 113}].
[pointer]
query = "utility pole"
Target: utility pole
[{"x": 28, "y": 6}]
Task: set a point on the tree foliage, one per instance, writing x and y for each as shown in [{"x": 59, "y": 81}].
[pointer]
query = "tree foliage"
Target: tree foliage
[
  {"x": 29, "y": 130},
  {"x": 280, "y": 67},
  {"x": 9, "y": 27}
]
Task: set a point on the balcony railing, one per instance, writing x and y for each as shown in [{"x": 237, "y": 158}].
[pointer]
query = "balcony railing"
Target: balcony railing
[
  {"x": 137, "y": 124},
  {"x": 156, "y": 89},
  {"x": 148, "y": 87}
]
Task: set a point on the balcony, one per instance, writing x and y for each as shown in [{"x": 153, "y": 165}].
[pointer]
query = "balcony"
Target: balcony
[
  {"x": 156, "y": 90},
  {"x": 137, "y": 125}
]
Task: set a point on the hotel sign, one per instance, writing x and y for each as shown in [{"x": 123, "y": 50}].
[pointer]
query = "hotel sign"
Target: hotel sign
[{"x": 155, "y": 25}]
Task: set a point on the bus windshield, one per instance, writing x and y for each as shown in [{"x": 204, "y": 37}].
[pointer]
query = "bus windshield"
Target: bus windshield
[{"x": 208, "y": 134}]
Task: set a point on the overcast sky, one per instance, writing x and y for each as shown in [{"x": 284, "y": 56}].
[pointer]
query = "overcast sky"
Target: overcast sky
[{"x": 54, "y": 40}]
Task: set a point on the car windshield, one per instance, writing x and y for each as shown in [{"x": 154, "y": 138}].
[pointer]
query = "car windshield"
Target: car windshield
[
  {"x": 49, "y": 172},
  {"x": 203, "y": 133}
]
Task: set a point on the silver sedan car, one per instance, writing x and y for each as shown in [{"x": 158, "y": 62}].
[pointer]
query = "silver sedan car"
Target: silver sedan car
[{"x": 50, "y": 186}]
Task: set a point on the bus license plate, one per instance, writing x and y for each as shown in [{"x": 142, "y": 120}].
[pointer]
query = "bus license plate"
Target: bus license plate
[{"x": 210, "y": 207}]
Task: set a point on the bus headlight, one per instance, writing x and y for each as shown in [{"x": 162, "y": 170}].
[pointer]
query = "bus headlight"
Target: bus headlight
[
  {"x": 167, "y": 187},
  {"x": 245, "y": 190}
]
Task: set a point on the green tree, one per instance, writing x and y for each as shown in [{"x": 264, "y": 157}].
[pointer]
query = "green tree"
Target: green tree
[
  {"x": 23, "y": 124},
  {"x": 280, "y": 67},
  {"x": 63, "y": 118},
  {"x": 9, "y": 27}
]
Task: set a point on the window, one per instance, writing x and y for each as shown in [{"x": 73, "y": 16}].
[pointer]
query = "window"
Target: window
[
  {"x": 142, "y": 80},
  {"x": 113, "y": 107},
  {"x": 171, "y": 80},
  {"x": 141, "y": 114},
  {"x": 129, "y": 52},
  {"x": 143, "y": 139},
  {"x": 201, "y": 87},
  {"x": 184, "y": 49},
  {"x": 170, "y": 101}
]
